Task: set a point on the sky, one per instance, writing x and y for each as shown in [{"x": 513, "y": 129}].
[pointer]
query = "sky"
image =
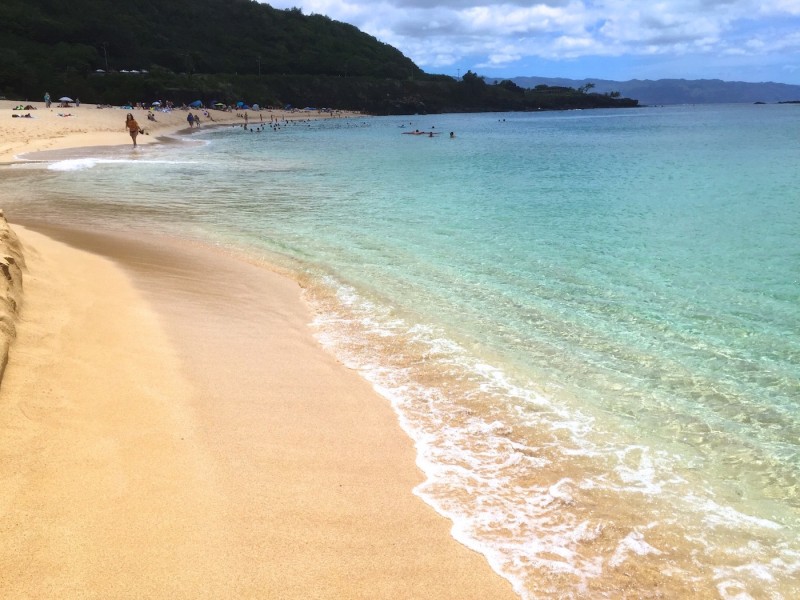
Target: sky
[{"x": 733, "y": 40}]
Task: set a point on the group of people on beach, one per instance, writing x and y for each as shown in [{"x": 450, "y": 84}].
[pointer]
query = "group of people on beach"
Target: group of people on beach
[
  {"x": 134, "y": 129},
  {"x": 192, "y": 120}
]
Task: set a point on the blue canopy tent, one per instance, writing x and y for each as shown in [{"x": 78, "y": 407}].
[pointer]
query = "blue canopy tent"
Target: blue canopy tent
[{"x": 196, "y": 104}]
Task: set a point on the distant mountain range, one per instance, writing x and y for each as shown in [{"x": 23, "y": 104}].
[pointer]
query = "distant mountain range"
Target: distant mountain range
[{"x": 677, "y": 91}]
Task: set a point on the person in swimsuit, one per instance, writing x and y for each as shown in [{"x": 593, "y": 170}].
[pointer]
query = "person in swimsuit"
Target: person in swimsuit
[{"x": 133, "y": 127}]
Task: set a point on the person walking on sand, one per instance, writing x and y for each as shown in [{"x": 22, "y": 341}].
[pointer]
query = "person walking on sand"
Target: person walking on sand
[
  {"x": 47, "y": 99},
  {"x": 190, "y": 120},
  {"x": 133, "y": 127}
]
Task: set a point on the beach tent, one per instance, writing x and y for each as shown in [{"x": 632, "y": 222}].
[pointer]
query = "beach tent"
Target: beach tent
[
  {"x": 256, "y": 107},
  {"x": 196, "y": 104}
]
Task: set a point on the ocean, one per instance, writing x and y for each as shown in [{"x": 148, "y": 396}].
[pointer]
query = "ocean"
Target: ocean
[{"x": 587, "y": 321}]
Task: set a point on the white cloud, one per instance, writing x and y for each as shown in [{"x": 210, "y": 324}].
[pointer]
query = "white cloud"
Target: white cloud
[
  {"x": 791, "y": 7},
  {"x": 505, "y": 20},
  {"x": 493, "y": 34}
]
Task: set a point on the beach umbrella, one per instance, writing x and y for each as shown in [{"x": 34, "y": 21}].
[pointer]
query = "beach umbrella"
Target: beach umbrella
[
  {"x": 65, "y": 99},
  {"x": 239, "y": 104},
  {"x": 196, "y": 104},
  {"x": 156, "y": 103},
  {"x": 219, "y": 104}
]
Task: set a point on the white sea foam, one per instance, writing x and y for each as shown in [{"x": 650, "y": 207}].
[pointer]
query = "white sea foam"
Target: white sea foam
[
  {"x": 732, "y": 590},
  {"x": 79, "y": 164},
  {"x": 76, "y": 164},
  {"x": 717, "y": 515},
  {"x": 478, "y": 458},
  {"x": 484, "y": 479},
  {"x": 633, "y": 543}
]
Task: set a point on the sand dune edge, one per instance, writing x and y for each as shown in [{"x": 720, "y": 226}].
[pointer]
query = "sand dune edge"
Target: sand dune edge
[{"x": 12, "y": 262}]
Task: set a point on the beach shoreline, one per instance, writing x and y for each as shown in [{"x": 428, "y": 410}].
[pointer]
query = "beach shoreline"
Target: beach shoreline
[
  {"x": 176, "y": 431},
  {"x": 89, "y": 125}
]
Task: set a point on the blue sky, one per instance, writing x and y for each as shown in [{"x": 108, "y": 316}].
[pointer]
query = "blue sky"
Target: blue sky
[{"x": 734, "y": 40}]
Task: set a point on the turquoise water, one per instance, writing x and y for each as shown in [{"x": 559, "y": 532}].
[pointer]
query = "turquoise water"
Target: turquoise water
[{"x": 589, "y": 322}]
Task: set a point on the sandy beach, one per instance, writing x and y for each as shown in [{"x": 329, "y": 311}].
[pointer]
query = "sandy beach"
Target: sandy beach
[
  {"x": 57, "y": 128},
  {"x": 171, "y": 429}
]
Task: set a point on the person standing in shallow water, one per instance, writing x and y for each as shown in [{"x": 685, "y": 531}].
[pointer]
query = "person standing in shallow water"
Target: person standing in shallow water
[{"x": 133, "y": 127}]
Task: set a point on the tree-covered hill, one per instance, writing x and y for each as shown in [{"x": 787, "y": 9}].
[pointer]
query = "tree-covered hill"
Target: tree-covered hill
[
  {"x": 228, "y": 50},
  {"x": 51, "y": 38}
]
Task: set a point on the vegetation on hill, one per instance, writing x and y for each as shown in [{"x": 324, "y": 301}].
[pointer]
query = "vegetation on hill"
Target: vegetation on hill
[{"x": 106, "y": 51}]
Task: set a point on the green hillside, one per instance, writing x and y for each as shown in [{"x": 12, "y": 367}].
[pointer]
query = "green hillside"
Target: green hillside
[
  {"x": 52, "y": 38},
  {"x": 228, "y": 50}
]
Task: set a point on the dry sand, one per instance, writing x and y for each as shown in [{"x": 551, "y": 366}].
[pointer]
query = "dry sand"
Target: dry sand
[{"x": 170, "y": 429}]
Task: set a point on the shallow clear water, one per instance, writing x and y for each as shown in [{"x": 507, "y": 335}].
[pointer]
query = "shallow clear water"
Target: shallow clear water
[{"x": 589, "y": 322}]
